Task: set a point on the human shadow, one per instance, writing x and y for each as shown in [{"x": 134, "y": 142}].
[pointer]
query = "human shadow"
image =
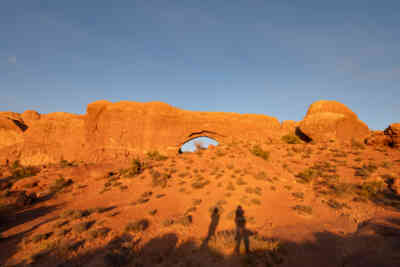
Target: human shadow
[
  {"x": 242, "y": 233},
  {"x": 215, "y": 216},
  {"x": 375, "y": 243}
]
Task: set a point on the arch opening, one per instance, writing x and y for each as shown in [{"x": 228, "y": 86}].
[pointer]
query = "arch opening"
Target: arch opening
[{"x": 197, "y": 143}]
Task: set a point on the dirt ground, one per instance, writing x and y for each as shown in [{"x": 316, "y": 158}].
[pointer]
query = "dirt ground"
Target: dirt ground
[{"x": 304, "y": 205}]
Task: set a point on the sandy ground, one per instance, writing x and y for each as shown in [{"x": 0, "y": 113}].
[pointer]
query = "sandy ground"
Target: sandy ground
[{"x": 325, "y": 229}]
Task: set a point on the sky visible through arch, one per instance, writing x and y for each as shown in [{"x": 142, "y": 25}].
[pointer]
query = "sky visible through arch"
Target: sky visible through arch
[
  {"x": 190, "y": 146},
  {"x": 264, "y": 57}
]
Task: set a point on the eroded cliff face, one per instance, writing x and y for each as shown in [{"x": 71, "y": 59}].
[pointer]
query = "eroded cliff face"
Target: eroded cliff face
[
  {"x": 118, "y": 131},
  {"x": 131, "y": 127}
]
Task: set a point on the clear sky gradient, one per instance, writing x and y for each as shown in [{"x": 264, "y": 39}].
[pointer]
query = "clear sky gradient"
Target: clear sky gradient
[{"x": 266, "y": 57}]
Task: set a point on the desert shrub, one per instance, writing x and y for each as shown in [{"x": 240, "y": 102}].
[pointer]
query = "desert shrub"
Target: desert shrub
[
  {"x": 136, "y": 168},
  {"x": 185, "y": 220},
  {"x": 62, "y": 232},
  {"x": 168, "y": 222},
  {"x": 335, "y": 204},
  {"x": 259, "y": 152},
  {"x": 303, "y": 210},
  {"x": 61, "y": 223},
  {"x": 40, "y": 237},
  {"x": 386, "y": 165},
  {"x": 65, "y": 163},
  {"x": 82, "y": 227},
  {"x": 200, "y": 184},
  {"x": 240, "y": 181},
  {"x": 100, "y": 232},
  {"x": 298, "y": 195},
  {"x": 137, "y": 226},
  {"x": 356, "y": 144},
  {"x": 60, "y": 184},
  {"x": 366, "y": 170},
  {"x": 155, "y": 155},
  {"x": 306, "y": 176},
  {"x": 371, "y": 189},
  {"x": 153, "y": 212},
  {"x": 291, "y": 139},
  {"x": 341, "y": 189},
  {"x": 19, "y": 171},
  {"x": 159, "y": 179},
  {"x": 262, "y": 176}
]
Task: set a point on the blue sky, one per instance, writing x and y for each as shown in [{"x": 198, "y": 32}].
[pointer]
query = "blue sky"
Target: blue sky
[{"x": 266, "y": 57}]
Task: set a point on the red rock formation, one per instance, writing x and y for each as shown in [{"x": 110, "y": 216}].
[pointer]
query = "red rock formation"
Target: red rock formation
[
  {"x": 331, "y": 120},
  {"x": 116, "y": 131},
  {"x": 393, "y": 132},
  {"x": 378, "y": 138}
]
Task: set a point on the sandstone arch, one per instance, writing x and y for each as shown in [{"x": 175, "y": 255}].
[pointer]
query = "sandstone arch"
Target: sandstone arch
[{"x": 204, "y": 133}]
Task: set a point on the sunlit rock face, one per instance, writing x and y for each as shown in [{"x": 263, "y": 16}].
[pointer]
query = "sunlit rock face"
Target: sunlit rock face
[
  {"x": 331, "y": 120},
  {"x": 118, "y": 131}
]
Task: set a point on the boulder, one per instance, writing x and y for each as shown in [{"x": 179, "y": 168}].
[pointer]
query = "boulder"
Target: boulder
[
  {"x": 11, "y": 129},
  {"x": 330, "y": 106},
  {"x": 377, "y": 138},
  {"x": 30, "y": 115},
  {"x": 331, "y": 120},
  {"x": 393, "y": 132}
]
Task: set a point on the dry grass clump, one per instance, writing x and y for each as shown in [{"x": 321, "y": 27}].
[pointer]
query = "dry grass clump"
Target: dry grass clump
[
  {"x": 155, "y": 155},
  {"x": 65, "y": 163},
  {"x": 306, "y": 176},
  {"x": 137, "y": 226},
  {"x": 137, "y": 167},
  {"x": 259, "y": 152},
  {"x": 298, "y": 195},
  {"x": 303, "y": 210},
  {"x": 60, "y": 184},
  {"x": 356, "y": 144},
  {"x": 82, "y": 227},
  {"x": 100, "y": 232},
  {"x": 365, "y": 171},
  {"x": 40, "y": 237},
  {"x": 159, "y": 179},
  {"x": 18, "y": 171},
  {"x": 200, "y": 183},
  {"x": 291, "y": 139}
]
